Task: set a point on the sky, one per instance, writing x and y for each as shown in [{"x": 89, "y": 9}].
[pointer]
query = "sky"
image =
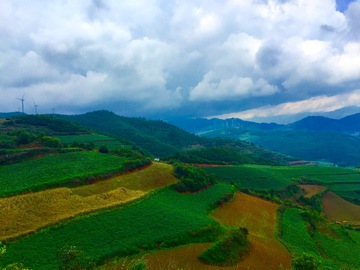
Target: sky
[{"x": 167, "y": 58}]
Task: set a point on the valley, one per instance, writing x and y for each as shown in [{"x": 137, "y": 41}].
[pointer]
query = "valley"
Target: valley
[{"x": 92, "y": 197}]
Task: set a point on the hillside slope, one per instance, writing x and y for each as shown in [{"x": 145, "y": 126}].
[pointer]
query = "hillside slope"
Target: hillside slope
[{"x": 162, "y": 140}]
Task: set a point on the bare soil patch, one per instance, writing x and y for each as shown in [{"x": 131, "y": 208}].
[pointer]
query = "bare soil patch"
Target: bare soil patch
[
  {"x": 312, "y": 190},
  {"x": 259, "y": 217},
  {"x": 339, "y": 210}
]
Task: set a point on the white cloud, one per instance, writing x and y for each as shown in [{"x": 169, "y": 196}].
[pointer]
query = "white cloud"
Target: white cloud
[
  {"x": 315, "y": 104},
  {"x": 145, "y": 51},
  {"x": 215, "y": 88}
]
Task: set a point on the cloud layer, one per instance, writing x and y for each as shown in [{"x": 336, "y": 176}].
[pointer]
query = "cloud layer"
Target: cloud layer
[{"x": 197, "y": 57}]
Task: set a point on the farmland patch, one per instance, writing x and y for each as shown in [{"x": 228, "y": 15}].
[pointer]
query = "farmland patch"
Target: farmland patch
[
  {"x": 259, "y": 217},
  {"x": 165, "y": 219},
  {"x": 28, "y": 213},
  {"x": 340, "y": 210},
  {"x": 345, "y": 248},
  {"x": 259, "y": 177},
  {"x": 24, "y": 214},
  {"x": 55, "y": 170},
  {"x": 97, "y": 139},
  {"x": 312, "y": 190}
]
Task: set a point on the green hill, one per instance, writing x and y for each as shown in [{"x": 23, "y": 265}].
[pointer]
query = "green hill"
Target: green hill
[{"x": 163, "y": 140}]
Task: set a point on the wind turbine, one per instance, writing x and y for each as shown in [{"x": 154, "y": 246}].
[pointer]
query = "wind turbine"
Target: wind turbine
[
  {"x": 35, "y": 107},
  {"x": 22, "y": 102}
]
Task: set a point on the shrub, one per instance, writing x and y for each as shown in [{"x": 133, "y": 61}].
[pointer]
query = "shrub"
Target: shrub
[
  {"x": 103, "y": 149},
  {"x": 71, "y": 258},
  {"x": 305, "y": 262},
  {"x": 51, "y": 142},
  {"x": 139, "y": 265},
  {"x": 192, "y": 179},
  {"x": 228, "y": 251}
]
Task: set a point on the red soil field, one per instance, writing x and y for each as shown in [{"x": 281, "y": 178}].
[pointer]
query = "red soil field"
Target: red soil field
[
  {"x": 259, "y": 217},
  {"x": 339, "y": 210},
  {"x": 312, "y": 190}
]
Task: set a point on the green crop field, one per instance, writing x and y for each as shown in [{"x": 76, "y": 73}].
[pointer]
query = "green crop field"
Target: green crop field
[
  {"x": 97, "y": 139},
  {"x": 294, "y": 232},
  {"x": 258, "y": 177},
  {"x": 254, "y": 177},
  {"x": 54, "y": 170},
  {"x": 161, "y": 219},
  {"x": 84, "y": 138},
  {"x": 344, "y": 248},
  {"x": 350, "y": 192}
]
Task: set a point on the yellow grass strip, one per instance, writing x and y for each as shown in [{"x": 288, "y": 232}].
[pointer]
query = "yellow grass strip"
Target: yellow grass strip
[
  {"x": 28, "y": 213},
  {"x": 339, "y": 210},
  {"x": 155, "y": 176},
  {"x": 312, "y": 190}
]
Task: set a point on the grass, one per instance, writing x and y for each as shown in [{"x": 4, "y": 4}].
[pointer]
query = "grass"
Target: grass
[
  {"x": 164, "y": 219},
  {"x": 28, "y": 213},
  {"x": 344, "y": 248},
  {"x": 55, "y": 170},
  {"x": 84, "y": 138},
  {"x": 97, "y": 139},
  {"x": 254, "y": 177},
  {"x": 294, "y": 232}
]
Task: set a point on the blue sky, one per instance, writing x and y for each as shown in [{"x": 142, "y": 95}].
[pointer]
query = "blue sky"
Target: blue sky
[
  {"x": 342, "y": 5},
  {"x": 161, "y": 58}
]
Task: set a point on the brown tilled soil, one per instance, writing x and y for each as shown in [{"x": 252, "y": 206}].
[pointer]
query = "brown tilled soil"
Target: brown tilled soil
[
  {"x": 312, "y": 190},
  {"x": 339, "y": 210}
]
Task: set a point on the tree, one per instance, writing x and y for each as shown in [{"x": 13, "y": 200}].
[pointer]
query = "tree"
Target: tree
[
  {"x": 103, "y": 149},
  {"x": 71, "y": 258},
  {"x": 51, "y": 142},
  {"x": 305, "y": 262}
]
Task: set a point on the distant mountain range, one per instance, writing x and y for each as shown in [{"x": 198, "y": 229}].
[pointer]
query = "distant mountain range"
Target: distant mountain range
[
  {"x": 291, "y": 118},
  {"x": 347, "y": 125},
  {"x": 313, "y": 138}
]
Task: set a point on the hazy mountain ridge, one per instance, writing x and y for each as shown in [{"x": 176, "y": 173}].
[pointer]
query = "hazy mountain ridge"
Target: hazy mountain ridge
[
  {"x": 346, "y": 125},
  {"x": 312, "y": 138}
]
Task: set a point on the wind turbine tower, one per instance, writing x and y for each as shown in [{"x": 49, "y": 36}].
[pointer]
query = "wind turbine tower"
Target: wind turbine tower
[
  {"x": 35, "y": 107},
  {"x": 22, "y": 102}
]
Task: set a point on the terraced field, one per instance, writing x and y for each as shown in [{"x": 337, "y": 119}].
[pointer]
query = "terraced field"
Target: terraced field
[
  {"x": 97, "y": 139},
  {"x": 256, "y": 214},
  {"x": 258, "y": 177},
  {"x": 255, "y": 177},
  {"x": 28, "y": 213},
  {"x": 259, "y": 216},
  {"x": 165, "y": 219},
  {"x": 56, "y": 170}
]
